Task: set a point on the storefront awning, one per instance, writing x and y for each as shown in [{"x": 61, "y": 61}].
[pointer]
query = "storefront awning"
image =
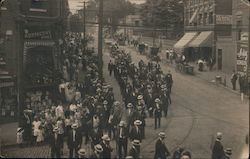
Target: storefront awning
[
  {"x": 183, "y": 42},
  {"x": 204, "y": 39}
]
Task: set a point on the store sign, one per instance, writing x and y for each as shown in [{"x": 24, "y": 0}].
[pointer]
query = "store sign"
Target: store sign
[
  {"x": 242, "y": 57},
  {"x": 223, "y": 19},
  {"x": 244, "y": 36},
  {"x": 6, "y": 84},
  {"x": 38, "y": 35},
  {"x": 39, "y": 43}
]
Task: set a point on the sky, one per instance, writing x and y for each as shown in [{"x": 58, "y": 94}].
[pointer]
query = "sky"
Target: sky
[{"x": 73, "y": 4}]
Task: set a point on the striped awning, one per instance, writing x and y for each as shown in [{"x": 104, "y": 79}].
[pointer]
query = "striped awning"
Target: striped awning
[
  {"x": 185, "y": 40},
  {"x": 204, "y": 39}
]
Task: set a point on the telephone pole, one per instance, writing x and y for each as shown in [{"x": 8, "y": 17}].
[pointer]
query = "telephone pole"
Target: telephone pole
[{"x": 100, "y": 37}]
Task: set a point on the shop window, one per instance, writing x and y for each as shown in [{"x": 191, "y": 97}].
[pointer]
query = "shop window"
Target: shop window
[
  {"x": 211, "y": 18},
  {"x": 205, "y": 19},
  {"x": 38, "y": 5},
  {"x": 238, "y": 28}
]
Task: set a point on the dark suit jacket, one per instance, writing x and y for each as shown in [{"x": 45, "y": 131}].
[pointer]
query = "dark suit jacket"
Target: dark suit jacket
[
  {"x": 96, "y": 136},
  {"x": 134, "y": 135},
  {"x": 56, "y": 143},
  {"x": 134, "y": 153},
  {"x": 218, "y": 150},
  {"x": 78, "y": 139},
  {"x": 106, "y": 153},
  {"x": 161, "y": 150}
]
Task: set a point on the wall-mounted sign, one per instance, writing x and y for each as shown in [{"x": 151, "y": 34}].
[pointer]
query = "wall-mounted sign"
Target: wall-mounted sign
[
  {"x": 224, "y": 19},
  {"x": 242, "y": 56},
  {"x": 244, "y": 36},
  {"x": 39, "y": 43},
  {"x": 38, "y": 35}
]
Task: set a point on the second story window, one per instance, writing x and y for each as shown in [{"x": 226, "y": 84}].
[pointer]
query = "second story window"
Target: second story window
[
  {"x": 38, "y": 6},
  {"x": 211, "y": 18}
]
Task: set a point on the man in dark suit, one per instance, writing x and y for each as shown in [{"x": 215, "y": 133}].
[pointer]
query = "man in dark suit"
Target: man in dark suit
[
  {"x": 164, "y": 97},
  {"x": 157, "y": 113},
  {"x": 169, "y": 80},
  {"x": 74, "y": 140},
  {"x": 122, "y": 139},
  {"x": 95, "y": 135},
  {"x": 218, "y": 150},
  {"x": 107, "y": 149},
  {"x": 135, "y": 149},
  {"x": 135, "y": 133},
  {"x": 56, "y": 142},
  {"x": 161, "y": 151},
  {"x": 97, "y": 152}
]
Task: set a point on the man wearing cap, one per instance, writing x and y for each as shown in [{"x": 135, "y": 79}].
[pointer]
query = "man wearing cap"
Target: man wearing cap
[
  {"x": 135, "y": 133},
  {"x": 218, "y": 150},
  {"x": 135, "y": 149},
  {"x": 161, "y": 151},
  {"x": 97, "y": 152},
  {"x": 122, "y": 139},
  {"x": 107, "y": 149},
  {"x": 74, "y": 140},
  {"x": 157, "y": 113},
  {"x": 56, "y": 142}
]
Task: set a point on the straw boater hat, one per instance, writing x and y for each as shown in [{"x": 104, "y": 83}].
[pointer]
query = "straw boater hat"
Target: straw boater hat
[
  {"x": 98, "y": 148},
  {"x": 228, "y": 151},
  {"x": 27, "y": 111},
  {"x": 74, "y": 126},
  {"x": 129, "y": 157},
  {"x": 162, "y": 135},
  {"x": 157, "y": 100},
  {"x": 130, "y": 105},
  {"x": 136, "y": 142},
  {"x": 139, "y": 97},
  {"x": 122, "y": 123},
  {"x": 137, "y": 122},
  {"x": 81, "y": 152},
  {"x": 105, "y": 102},
  {"x": 56, "y": 129},
  {"x": 106, "y": 137},
  {"x": 116, "y": 103}
]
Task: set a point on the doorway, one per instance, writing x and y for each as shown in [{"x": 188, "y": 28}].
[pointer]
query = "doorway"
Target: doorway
[{"x": 219, "y": 59}]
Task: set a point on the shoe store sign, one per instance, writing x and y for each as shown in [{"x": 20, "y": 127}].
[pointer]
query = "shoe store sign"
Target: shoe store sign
[{"x": 42, "y": 35}]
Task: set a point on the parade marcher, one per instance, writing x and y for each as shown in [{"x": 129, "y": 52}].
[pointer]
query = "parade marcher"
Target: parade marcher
[
  {"x": 161, "y": 151},
  {"x": 74, "y": 140},
  {"x": 218, "y": 150},
  {"x": 95, "y": 136},
  {"x": 157, "y": 113},
  {"x": 129, "y": 114},
  {"x": 56, "y": 141},
  {"x": 122, "y": 139},
  {"x": 107, "y": 149},
  {"x": 135, "y": 149},
  {"x": 82, "y": 154},
  {"x": 234, "y": 78},
  {"x": 177, "y": 153},
  {"x": 165, "y": 99},
  {"x": 135, "y": 133},
  {"x": 110, "y": 67},
  {"x": 169, "y": 80},
  {"x": 141, "y": 116},
  {"x": 97, "y": 152},
  {"x": 27, "y": 126}
]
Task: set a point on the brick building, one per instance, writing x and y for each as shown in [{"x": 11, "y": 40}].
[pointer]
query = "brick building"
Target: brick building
[{"x": 208, "y": 32}]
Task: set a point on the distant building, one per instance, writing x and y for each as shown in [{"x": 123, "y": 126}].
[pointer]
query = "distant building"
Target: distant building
[{"x": 208, "y": 32}]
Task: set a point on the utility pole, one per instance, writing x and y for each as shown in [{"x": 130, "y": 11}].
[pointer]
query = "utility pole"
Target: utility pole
[
  {"x": 100, "y": 37},
  {"x": 84, "y": 26}
]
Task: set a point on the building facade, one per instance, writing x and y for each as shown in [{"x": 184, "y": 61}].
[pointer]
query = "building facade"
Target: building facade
[
  {"x": 208, "y": 32},
  {"x": 33, "y": 38}
]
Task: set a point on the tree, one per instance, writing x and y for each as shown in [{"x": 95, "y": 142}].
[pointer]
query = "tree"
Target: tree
[
  {"x": 114, "y": 11},
  {"x": 163, "y": 14}
]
